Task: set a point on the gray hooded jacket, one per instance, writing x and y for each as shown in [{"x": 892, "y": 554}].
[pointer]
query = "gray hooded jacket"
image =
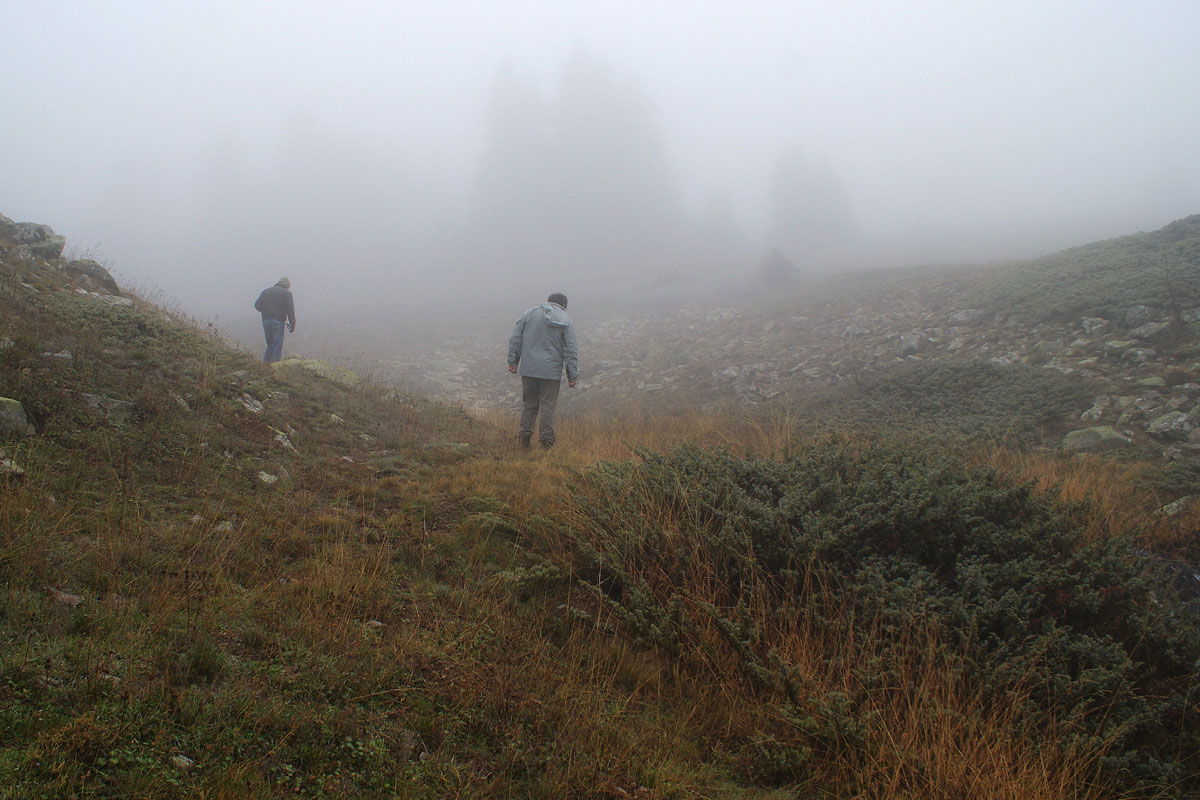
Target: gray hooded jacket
[{"x": 543, "y": 343}]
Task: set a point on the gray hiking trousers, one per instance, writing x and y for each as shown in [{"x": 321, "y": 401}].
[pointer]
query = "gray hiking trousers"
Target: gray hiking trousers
[{"x": 538, "y": 397}]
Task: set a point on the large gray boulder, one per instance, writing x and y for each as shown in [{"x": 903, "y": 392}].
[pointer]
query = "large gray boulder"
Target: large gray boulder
[
  {"x": 91, "y": 276},
  {"x": 1099, "y": 438},
  {"x": 8, "y": 228},
  {"x": 13, "y": 419},
  {"x": 1149, "y": 330},
  {"x": 1136, "y": 316},
  {"x": 40, "y": 240},
  {"x": 1173, "y": 426}
]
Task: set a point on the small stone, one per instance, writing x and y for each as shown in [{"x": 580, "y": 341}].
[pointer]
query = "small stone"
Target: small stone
[
  {"x": 183, "y": 762},
  {"x": 267, "y": 478},
  {"x": 66, "y": 598},
  {"x": 251, "y": 404}
]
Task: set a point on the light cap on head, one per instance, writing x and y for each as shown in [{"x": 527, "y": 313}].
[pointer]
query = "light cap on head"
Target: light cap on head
[
  {"x": 284, "y": 282},
  {"x": 558, "y": 298}
]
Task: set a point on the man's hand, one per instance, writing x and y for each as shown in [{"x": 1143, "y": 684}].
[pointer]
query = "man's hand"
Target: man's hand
[
  {"x": 291, "y": 328},
  {"x": 512, "y": 368},
  {"x": 571, "y": 384}
]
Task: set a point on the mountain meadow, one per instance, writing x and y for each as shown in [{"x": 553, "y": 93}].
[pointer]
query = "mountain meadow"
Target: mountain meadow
[{"x": 917, "y": 533}]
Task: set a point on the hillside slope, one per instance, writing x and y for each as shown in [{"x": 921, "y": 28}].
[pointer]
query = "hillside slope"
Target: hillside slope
[{"x": 221, "y": 579}]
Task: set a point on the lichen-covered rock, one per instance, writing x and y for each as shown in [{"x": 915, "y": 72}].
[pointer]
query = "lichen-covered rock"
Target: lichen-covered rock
[
  {"x": 1173, "y": 426},
  {"x": 115, "y": 411},
  {"x": 968, "y": 316},
  {"x": 1099, "y": 438},
  {"x": 41, "y": 240},
  {"x": 1136, "y": 316},
  {"x": 91, "y": 275},
  {"x": 13, "y": 419},
  {"x": 1149, "y": 330}
]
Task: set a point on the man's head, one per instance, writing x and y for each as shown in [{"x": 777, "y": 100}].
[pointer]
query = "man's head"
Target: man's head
[
  {"x": 558, "y": 298},
  {"x": 284, "y": 282}
]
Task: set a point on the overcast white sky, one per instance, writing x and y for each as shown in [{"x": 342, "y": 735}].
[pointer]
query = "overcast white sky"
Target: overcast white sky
[{"x": 981, "y": 129}]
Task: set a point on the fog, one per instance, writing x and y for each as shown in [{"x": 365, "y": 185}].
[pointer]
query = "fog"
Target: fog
[{"x": 391, "y": 158}]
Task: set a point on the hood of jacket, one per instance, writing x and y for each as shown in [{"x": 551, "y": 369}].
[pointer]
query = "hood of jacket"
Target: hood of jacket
[{"x": 556, "y": 315}]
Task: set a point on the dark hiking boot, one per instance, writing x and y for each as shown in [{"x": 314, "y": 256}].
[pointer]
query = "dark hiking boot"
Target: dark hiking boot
[
  {"x": 546, "y": 445},
  {"x": 523, "y": 442}
]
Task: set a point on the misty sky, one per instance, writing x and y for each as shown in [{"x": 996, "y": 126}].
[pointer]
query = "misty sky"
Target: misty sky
[{"x": 370, "y": 150}]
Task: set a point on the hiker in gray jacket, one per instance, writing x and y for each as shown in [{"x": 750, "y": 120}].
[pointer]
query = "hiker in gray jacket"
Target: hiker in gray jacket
[{"x": 542, "y": 345}]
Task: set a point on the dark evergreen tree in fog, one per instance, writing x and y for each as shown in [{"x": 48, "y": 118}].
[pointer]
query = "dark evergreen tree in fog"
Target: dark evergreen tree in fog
[
  {"x": 811, "y": 220},
  {"x": 576, "y": 183}
]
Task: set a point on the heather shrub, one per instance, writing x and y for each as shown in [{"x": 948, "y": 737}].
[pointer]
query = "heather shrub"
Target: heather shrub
[{"x": 874, "y": 543}]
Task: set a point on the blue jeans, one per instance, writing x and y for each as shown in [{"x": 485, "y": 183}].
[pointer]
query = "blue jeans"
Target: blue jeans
[{"x": 273, "y": 330}]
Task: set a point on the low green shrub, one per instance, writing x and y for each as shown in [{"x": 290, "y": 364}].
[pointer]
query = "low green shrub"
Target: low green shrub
[{"x": 878, "y": 541}]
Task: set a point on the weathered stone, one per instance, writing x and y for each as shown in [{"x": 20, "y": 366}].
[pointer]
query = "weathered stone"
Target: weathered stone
[
  {"x": 1136, "y": 316},
  {"x": 1094, "y": 326},
  {"x": 50, "y": 249},
  {"x": 912, "y": 343},
  {"x": 1173, "y": 426},
  {"x": 31, "y": 233},
  {"x": 91, "y": 275},
  {"x": 8, "y": 228},
  {"x": 1149, "y": 330},
  {"x": 1100, "y": 438},
  {"x": 115, "y": 411},
  {"x": 1152, "y": 381},
  {"x": 250, "y": 404},
  {"x": 68, "y": 599},
  {"x": 968, "y": 316},
  {"x": 10, "y": 469},
  {"x": 1173, "y": 508},
  {"x": 13, "y": 419}
]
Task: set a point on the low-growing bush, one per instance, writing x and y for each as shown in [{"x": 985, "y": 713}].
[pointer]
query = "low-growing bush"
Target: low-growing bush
[{"x": 885, "y": 547}]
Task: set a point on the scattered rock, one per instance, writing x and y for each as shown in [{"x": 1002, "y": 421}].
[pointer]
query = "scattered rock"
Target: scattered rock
[
  {"x": 251, "y": 405},
  {"x": 115, "y": 411},
  {"x": 1149, "y": 330},
  {"x": 1176, "y": 507},
  {"x": 285, "y": 442},
  {"x": 10, "y": 470},
  {"x": 13, "y": 419},
  {"x": 267, "y": 479},
  {"x": 66, "y": 598},
  {"x": 1097, "y": 439},
  {"x": 968, "y": 316},
  {"x": 1136, "y": 316},
  {"x": 91, "y": 276},
  {"x": 183, "y": 762},
  {"x": 1174, "y": 426},
  {"x": 40, "y": 240},
  {"x": 1094, "y": 326}
]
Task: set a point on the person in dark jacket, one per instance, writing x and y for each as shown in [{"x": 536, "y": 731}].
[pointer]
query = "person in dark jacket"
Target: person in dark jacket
[
  {"x": 275, "y": 305},
  {"x": 542, "y": 345}
]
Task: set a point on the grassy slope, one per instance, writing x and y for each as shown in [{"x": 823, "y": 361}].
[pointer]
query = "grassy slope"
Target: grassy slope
[
  {"x": 1160, "y": 268},
  {"x": 339, "y": 633},
  {"x": 392, "y": 619}
]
